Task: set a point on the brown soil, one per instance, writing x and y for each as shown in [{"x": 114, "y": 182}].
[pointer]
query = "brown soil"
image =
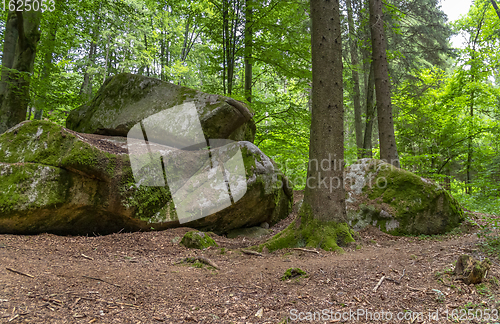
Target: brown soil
[{"x": 133, "y": 278}]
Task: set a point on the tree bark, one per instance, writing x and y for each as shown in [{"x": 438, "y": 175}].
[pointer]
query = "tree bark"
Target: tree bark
[
  {"x": 353, "y": 46},
  {"x": 16, "y": 96},
  {"x": 326, "y": 199},
  {"x": 388, "y": 149},
  {"x": 248, "y": 49},
  {"x": 370, "y": 115}
]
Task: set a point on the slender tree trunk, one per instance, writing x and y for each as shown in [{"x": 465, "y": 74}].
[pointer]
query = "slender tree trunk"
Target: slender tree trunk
[
  {"x": 353, "y": 46},
  {"x": 324, "y": 194},
  {"x": 40, "y": 104},
  {"x": 225, "y": 37},
  {"x": 370, "y": 114},
  {"x": 162, "y": 57},
  {"x": 494, "y": 3},
  {"x": 105, "y": 72},
  {"x": 248, "y": 49},
  {"x": 16, "y": 96},
  {"x": 185, "y": 44},
  {"x": 388, "y": 149},
  {"x": 86, "y": 89}
]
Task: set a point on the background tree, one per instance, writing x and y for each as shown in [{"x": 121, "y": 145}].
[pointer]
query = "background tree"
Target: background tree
[{"x": 388, "y": 148}]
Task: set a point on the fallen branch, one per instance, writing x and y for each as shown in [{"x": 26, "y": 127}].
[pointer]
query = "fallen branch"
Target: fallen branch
[
  {"x": 98, "y": 279},
  {"x": 87, "y": 257},
  {"x": 306, "y": 250},
  {"x": 198, "y": 258},
  {"x": 379, "y": 283},
  {"x": 393, "y": 280},
  {"x": 19, "y": 272},
  {"x": 251, "y": 252},
  {"x": 417, "y": 289}
]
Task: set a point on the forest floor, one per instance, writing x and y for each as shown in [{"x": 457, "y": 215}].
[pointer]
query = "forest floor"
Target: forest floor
[{"x": 134, "y": 278}]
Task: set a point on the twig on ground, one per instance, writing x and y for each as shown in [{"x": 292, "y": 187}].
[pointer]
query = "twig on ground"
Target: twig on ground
[
  {"x": 378, "y": 284},
  {"x": 98, "y": 279},
  {"x": 76, "y": 302},
  {"x": 198, "y": 258},
  {"x": 402, "y": 275},
  {"x": 251, "y": 252},
  {"x": 306, "y": 250},
  {"x": 87, "y": 257},
  {"x": 13, "y": 318},
  {"x": 417, "y": 289},
  {"x": 19, "y": 272}
]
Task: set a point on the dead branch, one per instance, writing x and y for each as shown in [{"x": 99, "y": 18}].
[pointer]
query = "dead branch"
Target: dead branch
[
  {"x": 19, "y": 272},
  {"x": 379, "y": 283},
  {"x": 417, "y": 289},
  {"x": 87, "y": 257},
  {"x": 306, "y": 250},
  {"x": 251, "y": 252}
]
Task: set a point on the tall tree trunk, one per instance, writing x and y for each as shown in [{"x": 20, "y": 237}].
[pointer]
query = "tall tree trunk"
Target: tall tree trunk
[
  {"x": 9, "y": 51},
  {"x": 248, "y": 49},
  {"x": 370, "y": 114},
  {"x": 16, "y": 96},
  {"x": 353, "y": 46},
  {"x": 388, "y": 149},
  {"x": 324, "y": 195}
]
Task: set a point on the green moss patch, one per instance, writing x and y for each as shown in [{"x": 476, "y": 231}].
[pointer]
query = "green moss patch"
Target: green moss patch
[
  {"x": 293, "y": 273},
  {"x": 329, "y": 236},
  {"x": 197, "y": 240}
]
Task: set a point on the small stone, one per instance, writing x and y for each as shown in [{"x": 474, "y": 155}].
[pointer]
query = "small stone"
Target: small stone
[
  {"x": 264, "y": 225},
  {"x": 259, "y": 313}
]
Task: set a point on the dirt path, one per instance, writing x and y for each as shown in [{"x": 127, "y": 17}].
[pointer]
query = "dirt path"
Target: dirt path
[{"x": 131, "y": 278}]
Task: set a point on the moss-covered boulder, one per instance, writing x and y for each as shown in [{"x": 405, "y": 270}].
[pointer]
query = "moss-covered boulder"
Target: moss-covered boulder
[
  {"x": 397, "y": 201},
  {"x": 197, "y": 240},
  {"x": 56, "y": 180},
  {"x": 126, "y": 99}
]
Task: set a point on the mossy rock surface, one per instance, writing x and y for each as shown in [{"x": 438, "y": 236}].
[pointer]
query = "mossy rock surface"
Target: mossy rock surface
[
  {"x": 126, "y": 99},
  {"x": 59, "y": 181},
  {"x": 197, "y": 240},
  {"x": 397, "y": 201}
]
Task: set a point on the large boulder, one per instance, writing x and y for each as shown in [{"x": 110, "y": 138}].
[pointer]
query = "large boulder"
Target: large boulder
[
  {"x": 56, "y": 180},
  {"x": 397, "y": 201},
  {"x": 126, "y": 99}
]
